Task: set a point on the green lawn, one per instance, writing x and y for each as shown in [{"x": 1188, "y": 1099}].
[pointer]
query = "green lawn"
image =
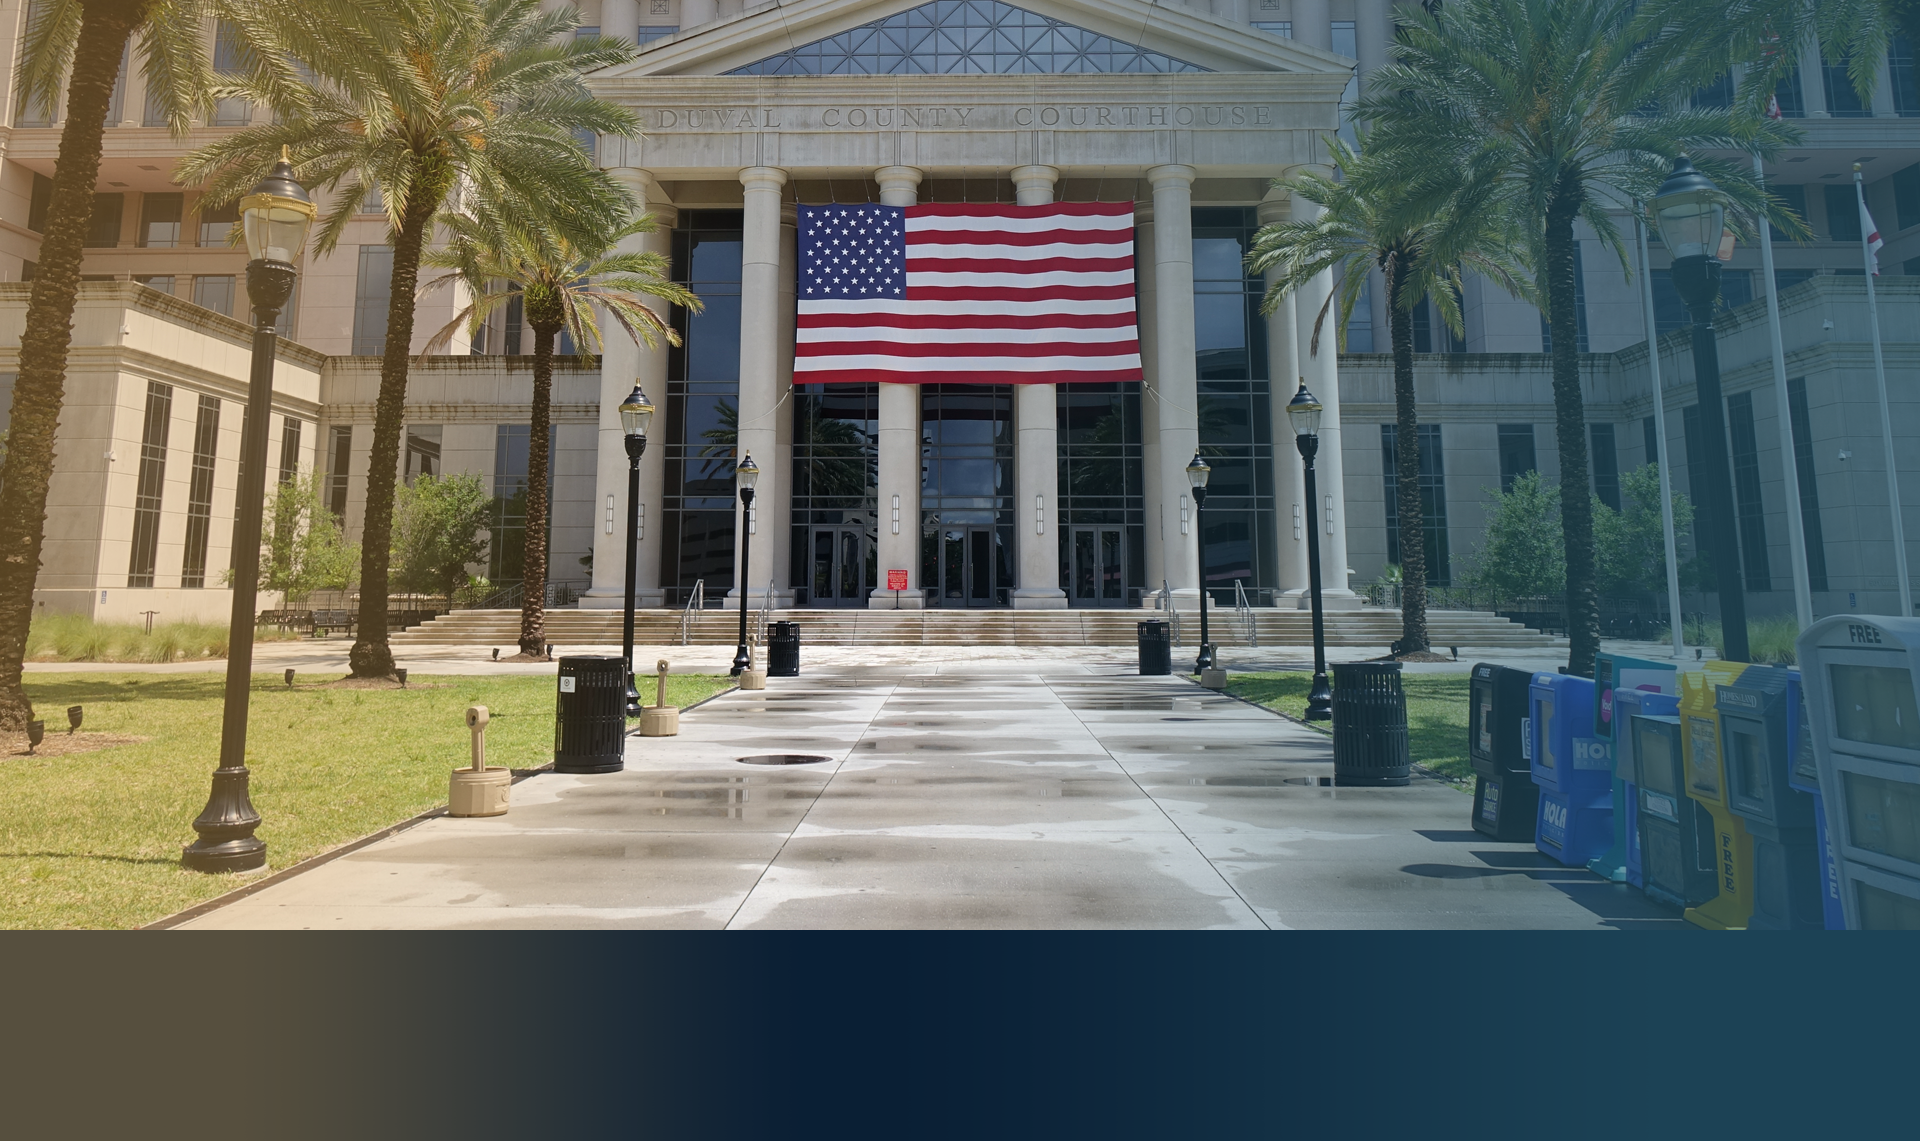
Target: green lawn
[
  {"x": 94, "y": 839},
  {"x": 1436, "y": 712}
]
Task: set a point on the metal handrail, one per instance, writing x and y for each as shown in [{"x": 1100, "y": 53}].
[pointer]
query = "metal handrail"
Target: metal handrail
[
  {"x": 695, "y": 601},
  {"x": 760, "y": 626},
  {"x": 1244, "y": 610},
  {"x": 1166, "y": 604}
]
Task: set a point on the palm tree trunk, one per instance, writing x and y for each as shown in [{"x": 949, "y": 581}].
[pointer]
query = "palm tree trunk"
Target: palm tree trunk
[
  {"x": 371, "y": 656},
  {"x": 1570, "y": 424},
  {"x": 39, "y": 388},
  {"x": 1406, "y": 461},
  {"x": 533, "y": 591}
]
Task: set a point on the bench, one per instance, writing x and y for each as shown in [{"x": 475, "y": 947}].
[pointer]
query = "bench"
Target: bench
[
  {"x": 285, "y": 619},
  {"x": 327, "y": 621}
]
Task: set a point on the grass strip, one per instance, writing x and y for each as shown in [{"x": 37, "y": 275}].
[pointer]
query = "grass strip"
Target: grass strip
[
  {"x": 94, "y": 839},
  {"x": 1436, "y": 712}
]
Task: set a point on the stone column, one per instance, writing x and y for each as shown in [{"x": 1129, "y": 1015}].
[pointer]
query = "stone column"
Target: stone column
[
  {"x": 776, "y": 514},
  {"x": 624, "y": 363},
  {"x": 1370, "y": 23},
  {"x": 760, "y": 403},
  {"x": 1175, "y": 387},
  {"x": 620, "y": 19},
  {"x": 1321, "y": 370},
  {"x": 1036, "y": 455},
  {"x": 1152, "y": 514},
  {"x": 1283, "y": 367},
  {"x": 898, "y": 467},
  {"x": 1313, "y": 24}
]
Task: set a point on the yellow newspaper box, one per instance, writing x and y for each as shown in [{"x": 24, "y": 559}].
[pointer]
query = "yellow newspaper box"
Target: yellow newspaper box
[{"x": 1707, "y": 786}]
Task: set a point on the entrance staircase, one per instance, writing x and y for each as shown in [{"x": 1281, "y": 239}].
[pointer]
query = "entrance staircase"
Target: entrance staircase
[{"x": 852, "y": 627}]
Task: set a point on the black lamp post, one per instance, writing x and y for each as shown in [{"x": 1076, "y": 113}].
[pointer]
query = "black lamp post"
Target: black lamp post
[
  {"x": 636, "y": 413},
  {"x": 1304, "y": 412},
  {"x": 1197, "y": 473},
  {"x": 1691, "y": 222},
  {"x": 746, "y": 473},
  {"x": 275, "y": 218}
]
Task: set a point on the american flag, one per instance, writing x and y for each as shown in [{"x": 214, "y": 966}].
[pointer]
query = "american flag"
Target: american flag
[{"x": 966, "y": 294}]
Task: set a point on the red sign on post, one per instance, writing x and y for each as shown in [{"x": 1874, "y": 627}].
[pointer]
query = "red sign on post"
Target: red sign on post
[{"x": 896, "y": 580}]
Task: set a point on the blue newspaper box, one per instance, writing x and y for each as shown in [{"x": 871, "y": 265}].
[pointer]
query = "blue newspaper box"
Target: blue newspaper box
[
  {"x": 1803, "y": 776},
  {"x": 1506, "y": 805},
  {"x": 1677, "y": 845},
  {"x": 1755, "y": 736},
  {"x": 1628, "y": 704},
  {"x": 1614, "y": 676},
  {"x": 1572, "y": 769},
  {"x": 1863, "y": 699}
]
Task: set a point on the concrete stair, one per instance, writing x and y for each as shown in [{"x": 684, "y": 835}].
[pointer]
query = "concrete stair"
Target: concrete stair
[{"x": 1365, "y": 627}]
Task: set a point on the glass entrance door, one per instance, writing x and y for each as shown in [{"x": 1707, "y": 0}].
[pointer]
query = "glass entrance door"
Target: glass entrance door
[
  {"x": 843, "y": 563},
  {"x": 1097, "y": 566},
  {"x": 970, "y": 567}
]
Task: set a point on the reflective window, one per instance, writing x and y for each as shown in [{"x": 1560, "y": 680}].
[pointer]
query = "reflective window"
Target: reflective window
[{"x": 965, "y": 36}]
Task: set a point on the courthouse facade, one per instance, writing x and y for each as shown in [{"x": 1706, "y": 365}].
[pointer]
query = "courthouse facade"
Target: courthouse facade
[{"x": 1033, "y": 496}]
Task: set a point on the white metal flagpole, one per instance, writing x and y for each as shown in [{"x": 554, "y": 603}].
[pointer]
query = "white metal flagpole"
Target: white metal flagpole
[
  {"x": 1783, "y": 411},
  {"x": 1869, "y": 237},
  {"x": 1660, "y": 435}
]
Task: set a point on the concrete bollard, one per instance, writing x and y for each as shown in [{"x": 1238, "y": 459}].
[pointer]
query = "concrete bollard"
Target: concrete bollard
[
  {"x": 1214, "y": 678},
  {"x": 752, "y": 677},
  {"x": 479, "y": 790},
  {"x": 660, "y": 719}
]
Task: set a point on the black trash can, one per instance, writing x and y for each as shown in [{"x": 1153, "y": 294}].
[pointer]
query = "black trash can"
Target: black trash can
[
  {"x": 1369, "y": 725},
  {"x": 1156, "y": 649},
  {"x": 783, "y": 649},
  {"x": 590, "y": 718}
]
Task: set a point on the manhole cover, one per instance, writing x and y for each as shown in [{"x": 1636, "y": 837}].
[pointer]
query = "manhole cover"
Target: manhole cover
[{"x": 783, "y": 759}]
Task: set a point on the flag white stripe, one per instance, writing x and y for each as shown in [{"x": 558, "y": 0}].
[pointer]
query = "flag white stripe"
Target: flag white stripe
[
  {"x": 967, "y": 364},
  {"x": 1055, "y": 335},
  {"x": 1023, "y": 253}
]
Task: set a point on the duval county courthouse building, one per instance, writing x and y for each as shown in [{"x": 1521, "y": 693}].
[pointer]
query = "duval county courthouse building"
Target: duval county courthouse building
[{"x": 1029, "y": 496}]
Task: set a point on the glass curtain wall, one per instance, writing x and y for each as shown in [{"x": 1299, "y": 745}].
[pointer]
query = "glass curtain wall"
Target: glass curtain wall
[
  {"x": 835, "y": 457},
  {"x": 702, "y": 409},
  {"x": 1102, "y": 512},
  {"x": 1230, "y": 343},
  {"x": 966, "y": 494}
]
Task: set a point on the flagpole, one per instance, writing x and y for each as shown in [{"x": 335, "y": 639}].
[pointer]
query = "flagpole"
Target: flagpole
[
  {"x": 1867, "y": 234},
  {"x": 1660, "y": 436},
  {"x": 1783, "y": 411}
]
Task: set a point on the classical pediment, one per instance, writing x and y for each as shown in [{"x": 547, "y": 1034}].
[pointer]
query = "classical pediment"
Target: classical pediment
[{"x": 985, "y": 37}]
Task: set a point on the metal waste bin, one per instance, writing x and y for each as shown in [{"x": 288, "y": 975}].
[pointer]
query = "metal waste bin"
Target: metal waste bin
[
  {"x": 1369, "y": 725},
  {"x": 1156, "y": 648},
  {"x": 783, "y": 649},
  {"x": 590, "y": 718}
]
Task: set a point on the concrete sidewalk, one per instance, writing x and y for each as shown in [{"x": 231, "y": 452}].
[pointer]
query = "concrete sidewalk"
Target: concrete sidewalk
[{"x": 973, "y": 794}]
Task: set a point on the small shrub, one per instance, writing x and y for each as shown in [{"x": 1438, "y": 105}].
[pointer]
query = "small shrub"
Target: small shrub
[
  {"x": 77, "y": 638},
  {"x": 1769, "y": 640}
]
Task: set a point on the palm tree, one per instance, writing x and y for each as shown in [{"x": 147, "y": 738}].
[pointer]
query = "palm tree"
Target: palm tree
[
  {"x": 1560, "y": 109},
  {"x": 78, "y": 45},
  {"x": 466, "y": 107},
  {"x": 561, "y": 283},
  {"x": 1420, "y": 231}
]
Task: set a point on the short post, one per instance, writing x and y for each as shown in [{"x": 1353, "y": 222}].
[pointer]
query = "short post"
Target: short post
[
  {"x": 752, "y": 677},
  {"x": 479, "y": 789},
  {"x": 660, "y": 719}
]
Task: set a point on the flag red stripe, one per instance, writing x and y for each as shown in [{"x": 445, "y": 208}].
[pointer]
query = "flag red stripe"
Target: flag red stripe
[
  {"x": 1002, "y": 210},
  {"x": 1003, "y": 293},
  {"x": 967, "y": 321},
  {"x": 892, "y": 376},
  {"x": 1017, "y": 238},
  {"x": 965, "y": 349}
]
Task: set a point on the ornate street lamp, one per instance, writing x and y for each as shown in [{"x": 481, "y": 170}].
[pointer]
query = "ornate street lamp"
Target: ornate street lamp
[
  {"x": 1303, "y": 411},
  {"x": 1692, "y": 220},
  {"x": 275, "y": 218},
  {"x": 636, "y": 413},
  {"x": 746, "y": 473},
  {"x": 1197, "y": 473}
]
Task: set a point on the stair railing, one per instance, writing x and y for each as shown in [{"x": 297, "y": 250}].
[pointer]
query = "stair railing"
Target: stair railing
[
  {"x": 695, "y": 601},
  {"x": 1165, "y": 603},
  {"x": 1244, "y": 611},
  {"x": 760, "y": 623}
]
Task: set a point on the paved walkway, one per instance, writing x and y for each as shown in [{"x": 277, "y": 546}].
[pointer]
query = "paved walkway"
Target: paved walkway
[{"x": 990, "y": 794}]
